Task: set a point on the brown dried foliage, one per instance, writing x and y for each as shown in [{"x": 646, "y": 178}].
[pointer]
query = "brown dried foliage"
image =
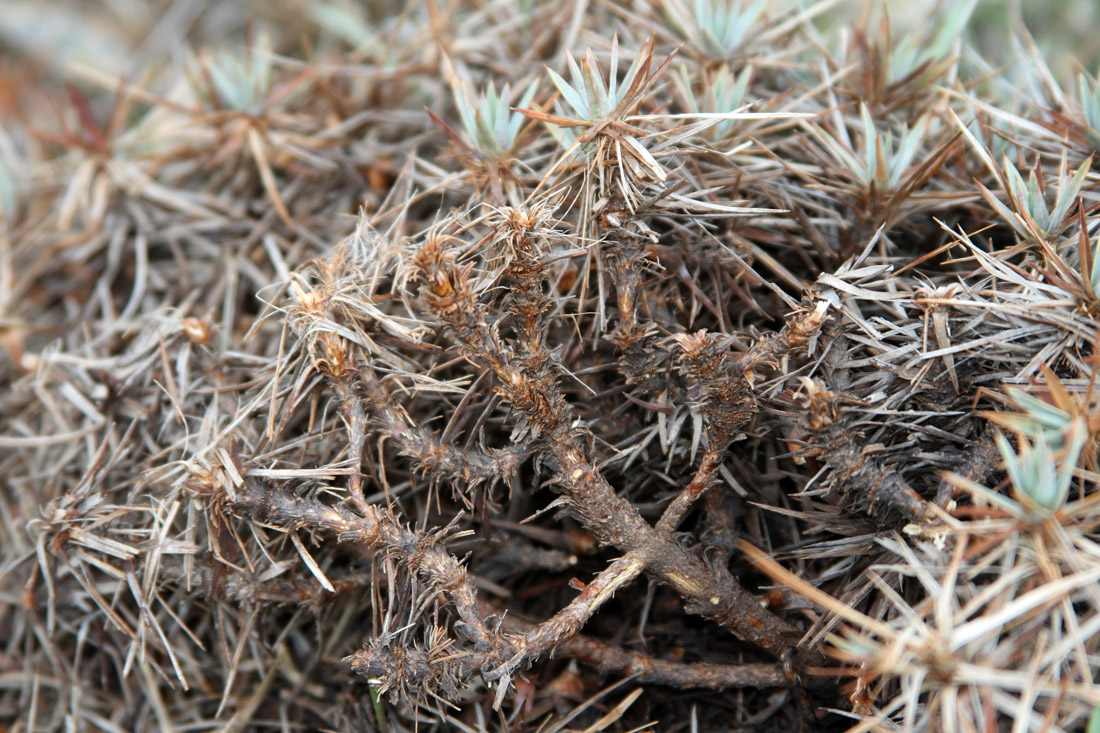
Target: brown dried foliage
[{"x": 322, "y": 408}]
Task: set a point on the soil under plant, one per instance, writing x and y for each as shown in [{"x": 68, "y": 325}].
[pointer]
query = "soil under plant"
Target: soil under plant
[{"x": 660, "y": 365}]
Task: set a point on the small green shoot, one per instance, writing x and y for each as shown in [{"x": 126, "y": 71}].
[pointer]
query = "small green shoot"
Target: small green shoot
[
  {"x": 1090, "y": 107},
  {"x": 1040, "y": 482},
  {"x": 1039, "y": 419},
  {"x": 915, "y": 52},
  {"x": 717, "y": 28},
  {"x": 491, "y": 125},
  {"x": 884, "y": 162},
  {"x": 377, "y": 705},
  {"x": 590, "y": 98},
  {"x": 239, "y": 83},
  {"x": 723, "y": 94},
  {"x": 1094, "y": 721},
  {"x": 1027, "y": 211}
]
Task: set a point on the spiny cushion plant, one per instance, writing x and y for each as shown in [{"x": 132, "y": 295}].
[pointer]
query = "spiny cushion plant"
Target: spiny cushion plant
[{"x": 482, "y": 366}]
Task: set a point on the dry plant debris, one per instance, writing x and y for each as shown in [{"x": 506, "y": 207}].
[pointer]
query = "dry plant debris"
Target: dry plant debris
[{"x": 482, "y": 366}]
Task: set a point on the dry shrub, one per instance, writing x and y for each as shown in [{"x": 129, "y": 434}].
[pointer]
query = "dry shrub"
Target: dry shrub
[{"x": 673, "y": 349}]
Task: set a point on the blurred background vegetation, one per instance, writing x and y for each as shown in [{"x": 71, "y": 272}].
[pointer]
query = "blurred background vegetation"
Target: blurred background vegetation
[{"x": 128, "y": 35}]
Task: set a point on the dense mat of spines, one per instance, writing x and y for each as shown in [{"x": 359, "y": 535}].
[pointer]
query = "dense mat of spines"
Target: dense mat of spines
[{"x": 323, "y": 407}]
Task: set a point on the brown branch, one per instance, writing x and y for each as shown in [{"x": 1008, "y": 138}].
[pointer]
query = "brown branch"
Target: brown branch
[
  {"x": 624, "y": 260},
  {"x": 646, "y": 669},
  {"x": 829, "y": 434},
  {"x": 360, "y": 396},
  {"x": 723, "y": 392},
  {"x": 979, "y": 461},
  {"x": 529, "y": 385},
  {"x": 495, "y": 655},
  {"x": 651, "y": 670},
  {"x": 468, "y": 468},
  {"x": 722, "y": 387},
  {"x": 560, "y": 635},
  {"x": 704, "y": 478},
  {"x": 519, "y": 232},
  {"x": 355, "y": 422},
  {"x": 374, "y": 528},
  {"x": 332, "y": 356}
]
